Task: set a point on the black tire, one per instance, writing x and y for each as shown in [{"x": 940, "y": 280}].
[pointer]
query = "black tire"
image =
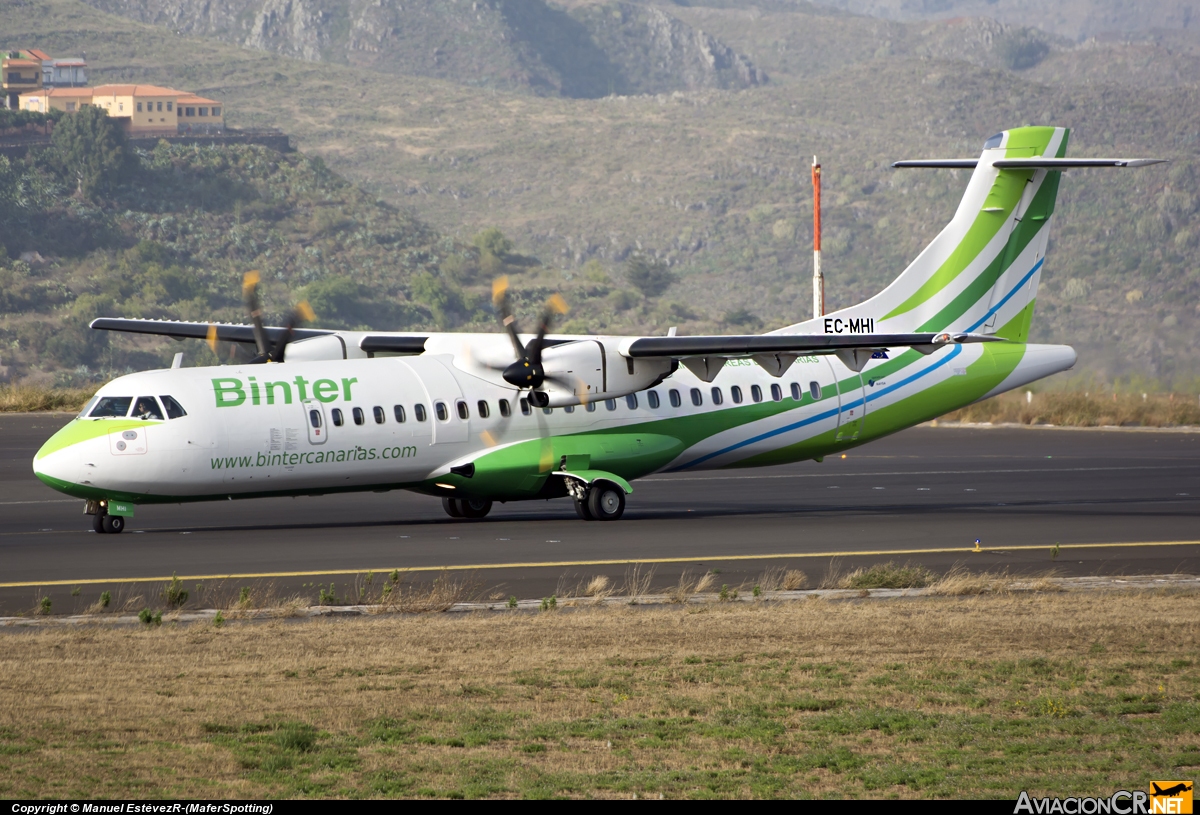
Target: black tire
[
  {"x": 114, "y": 524},
  {"x": 98, "y": 523},
  {"x": 581, "y": 509},
  {"x": 453, "y": 507},
  {"x": 475, "y": 507},
  {"x": 606, "y": 501}
]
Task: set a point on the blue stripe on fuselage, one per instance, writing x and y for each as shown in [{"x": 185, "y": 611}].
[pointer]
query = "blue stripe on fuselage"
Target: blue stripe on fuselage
[{"x": 955, "y": 351}]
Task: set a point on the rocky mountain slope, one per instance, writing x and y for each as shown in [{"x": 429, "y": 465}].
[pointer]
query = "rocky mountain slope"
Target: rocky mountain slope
[
  {"x": 525, "y": 45},
  {"x": 716, "y": 182}
]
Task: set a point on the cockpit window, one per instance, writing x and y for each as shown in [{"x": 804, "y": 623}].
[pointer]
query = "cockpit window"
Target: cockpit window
[
  {"x": 174, "y": 409},
  {"x": 146, "y": 407},
  {"x": 87, "y": 408},
  {"x": 994, "y": 141},
  {"x": 111, "y": 407}
]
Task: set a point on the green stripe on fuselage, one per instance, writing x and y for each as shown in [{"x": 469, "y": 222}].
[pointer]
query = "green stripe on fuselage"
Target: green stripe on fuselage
[{"x": 81, "y": 430}]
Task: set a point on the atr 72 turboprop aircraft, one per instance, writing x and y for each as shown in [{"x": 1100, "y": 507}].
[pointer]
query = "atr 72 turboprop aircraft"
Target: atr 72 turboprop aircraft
[{"x": 478, "y": 418}]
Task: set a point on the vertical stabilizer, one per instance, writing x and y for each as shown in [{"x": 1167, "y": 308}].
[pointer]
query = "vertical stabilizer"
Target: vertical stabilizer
[{"x": 981, "y": 273}]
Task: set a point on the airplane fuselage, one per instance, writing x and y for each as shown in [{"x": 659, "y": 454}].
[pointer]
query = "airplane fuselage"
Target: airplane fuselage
[{"x": 409, "y": 422}]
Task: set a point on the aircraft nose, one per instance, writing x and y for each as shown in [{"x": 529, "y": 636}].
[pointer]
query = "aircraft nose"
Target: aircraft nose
[{"x": 56, "y": 463}]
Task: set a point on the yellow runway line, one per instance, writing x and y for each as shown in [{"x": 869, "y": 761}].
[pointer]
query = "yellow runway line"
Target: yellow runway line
[{"x": 618, "y": 562}]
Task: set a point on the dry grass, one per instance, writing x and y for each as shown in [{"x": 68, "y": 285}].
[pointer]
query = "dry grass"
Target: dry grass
[
  {"x": 781, "y": 579},
  {"x": 1074, "y": 409},
  {"x": 981, "y": 695},
  {"x": 637, "y": 582},
  {"x": 690, "y": 585},
  {"x": 29, "y": 398},
  {"x": 959, "y": 582}
]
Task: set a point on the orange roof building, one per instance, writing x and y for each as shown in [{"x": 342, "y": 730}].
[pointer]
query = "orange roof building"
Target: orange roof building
[{"x": 144, "y": 110}]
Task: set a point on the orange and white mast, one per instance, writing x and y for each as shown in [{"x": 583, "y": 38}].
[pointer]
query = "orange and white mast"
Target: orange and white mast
[{"x": 818, "y": 278}]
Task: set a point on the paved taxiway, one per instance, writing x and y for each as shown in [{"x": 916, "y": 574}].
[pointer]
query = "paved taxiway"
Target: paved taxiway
[{"x": 923, "y": 495}]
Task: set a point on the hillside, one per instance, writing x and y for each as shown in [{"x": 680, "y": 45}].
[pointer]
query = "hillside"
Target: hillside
[
  {"x": 716, "y": 181},
  {"x": 173, "y": 241},
  {"x": 1075, "y": 19},
  {"x": 521, "y": 45}
]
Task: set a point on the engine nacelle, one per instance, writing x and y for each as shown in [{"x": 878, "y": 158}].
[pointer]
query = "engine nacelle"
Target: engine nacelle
[{"x": 591, "y": 370}]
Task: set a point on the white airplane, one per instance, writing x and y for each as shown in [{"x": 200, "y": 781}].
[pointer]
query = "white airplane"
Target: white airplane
[{"x": 478, "y": 418}]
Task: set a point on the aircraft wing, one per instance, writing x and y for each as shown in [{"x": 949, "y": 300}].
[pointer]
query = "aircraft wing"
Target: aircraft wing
[
  {"x": 776, "y": 352},
  {"x": 226, "y": 332}
]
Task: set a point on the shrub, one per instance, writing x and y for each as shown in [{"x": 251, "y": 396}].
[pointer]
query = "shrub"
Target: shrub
[
  {"x": 174, "y": 592},
  {"x": 649, "y": 275}
]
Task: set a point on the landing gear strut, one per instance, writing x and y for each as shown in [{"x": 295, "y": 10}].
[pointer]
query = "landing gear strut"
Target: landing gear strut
[{"x": 467, "y": 507}]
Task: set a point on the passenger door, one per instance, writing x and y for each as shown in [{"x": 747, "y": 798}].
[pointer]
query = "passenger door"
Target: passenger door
[
  {"x": 852, "y": 403},
  {"x": 314, "y": 420}
]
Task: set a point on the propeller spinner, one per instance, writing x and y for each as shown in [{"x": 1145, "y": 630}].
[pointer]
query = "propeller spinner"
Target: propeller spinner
[{"x": 526, "y": 371}]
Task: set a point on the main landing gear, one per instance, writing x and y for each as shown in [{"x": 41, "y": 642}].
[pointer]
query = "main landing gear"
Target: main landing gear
[
  {"x": 602, "y": 501},
  {"x": 467, "y": 507}
]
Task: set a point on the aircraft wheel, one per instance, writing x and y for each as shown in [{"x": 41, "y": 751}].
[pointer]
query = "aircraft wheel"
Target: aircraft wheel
[
  {"x": 98, "y": 523},
  {"x": 606, "y": 501},
  {"x": 581, "y": 509},
  {"x": 113, "y": 524},
  {"x": 453, "y": 507},
  {"x": 475, "y": 507}
]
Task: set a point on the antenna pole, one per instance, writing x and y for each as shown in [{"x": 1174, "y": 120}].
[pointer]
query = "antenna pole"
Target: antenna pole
[{"x": 818, "y": 278}]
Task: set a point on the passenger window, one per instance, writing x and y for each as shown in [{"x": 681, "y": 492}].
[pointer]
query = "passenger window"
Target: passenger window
[
  {"x": 674, "y": 396},
  {"x": 338, "y": 419},
  {"x": 111, "y": 407},
  {"x": 716, "y": 395},
  {"x": 146, "y": 407},
  {"x": 631, "y": 401},
  {"x": 777, "y": 393},
  {"x": 398, "y": 410},
  {"x": 652, "y": 399},
  {"x": 505, "y": 408},
  {"x": 440, "y": 410},
  {"x": 796, "y": 394},
  {"x": 314, "y": 418},
  {"x": 380, "y": 416},
  {"x": 569, "y": 408},
  {"x": 697, "y": 397},
  {"x": 419, "y": 412},
  {"x": 611, "y": 404},
  {"x": 547, "y": 411},
  {"x": 484, "y": 410},
  {"x": 756, "y": 393},
  {"x": 464, "y": 412},
  {"x": 591, "y": 407},
  {"x": 359, "y": 416},
  {"x": 735, "y": 393},
  {"x": 815, "y": 390},
  {"x": 525, "y": 406},
  {"x": 174, "y": 409}
]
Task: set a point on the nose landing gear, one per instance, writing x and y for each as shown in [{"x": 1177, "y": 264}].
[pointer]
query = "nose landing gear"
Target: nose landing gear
[{"x": 102, "y": 521}]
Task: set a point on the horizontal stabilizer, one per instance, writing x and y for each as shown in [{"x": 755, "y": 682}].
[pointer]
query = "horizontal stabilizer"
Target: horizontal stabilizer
[
  {"x": 1034, "y": 163},
  {"x": 939, "y": 163}
]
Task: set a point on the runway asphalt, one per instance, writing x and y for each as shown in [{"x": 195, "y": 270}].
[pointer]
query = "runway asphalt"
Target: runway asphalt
[{"x": 1114, "y": 502}]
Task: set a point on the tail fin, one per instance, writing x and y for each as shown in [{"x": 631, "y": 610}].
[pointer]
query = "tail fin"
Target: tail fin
[{"x": 981, "y": 273}]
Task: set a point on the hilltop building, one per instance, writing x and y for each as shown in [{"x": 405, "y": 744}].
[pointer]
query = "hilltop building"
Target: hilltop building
[
  {"x": 141, "y": 110},
  {"x": 21, "y": 73},
  {"x": 32, "y": 70}
]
